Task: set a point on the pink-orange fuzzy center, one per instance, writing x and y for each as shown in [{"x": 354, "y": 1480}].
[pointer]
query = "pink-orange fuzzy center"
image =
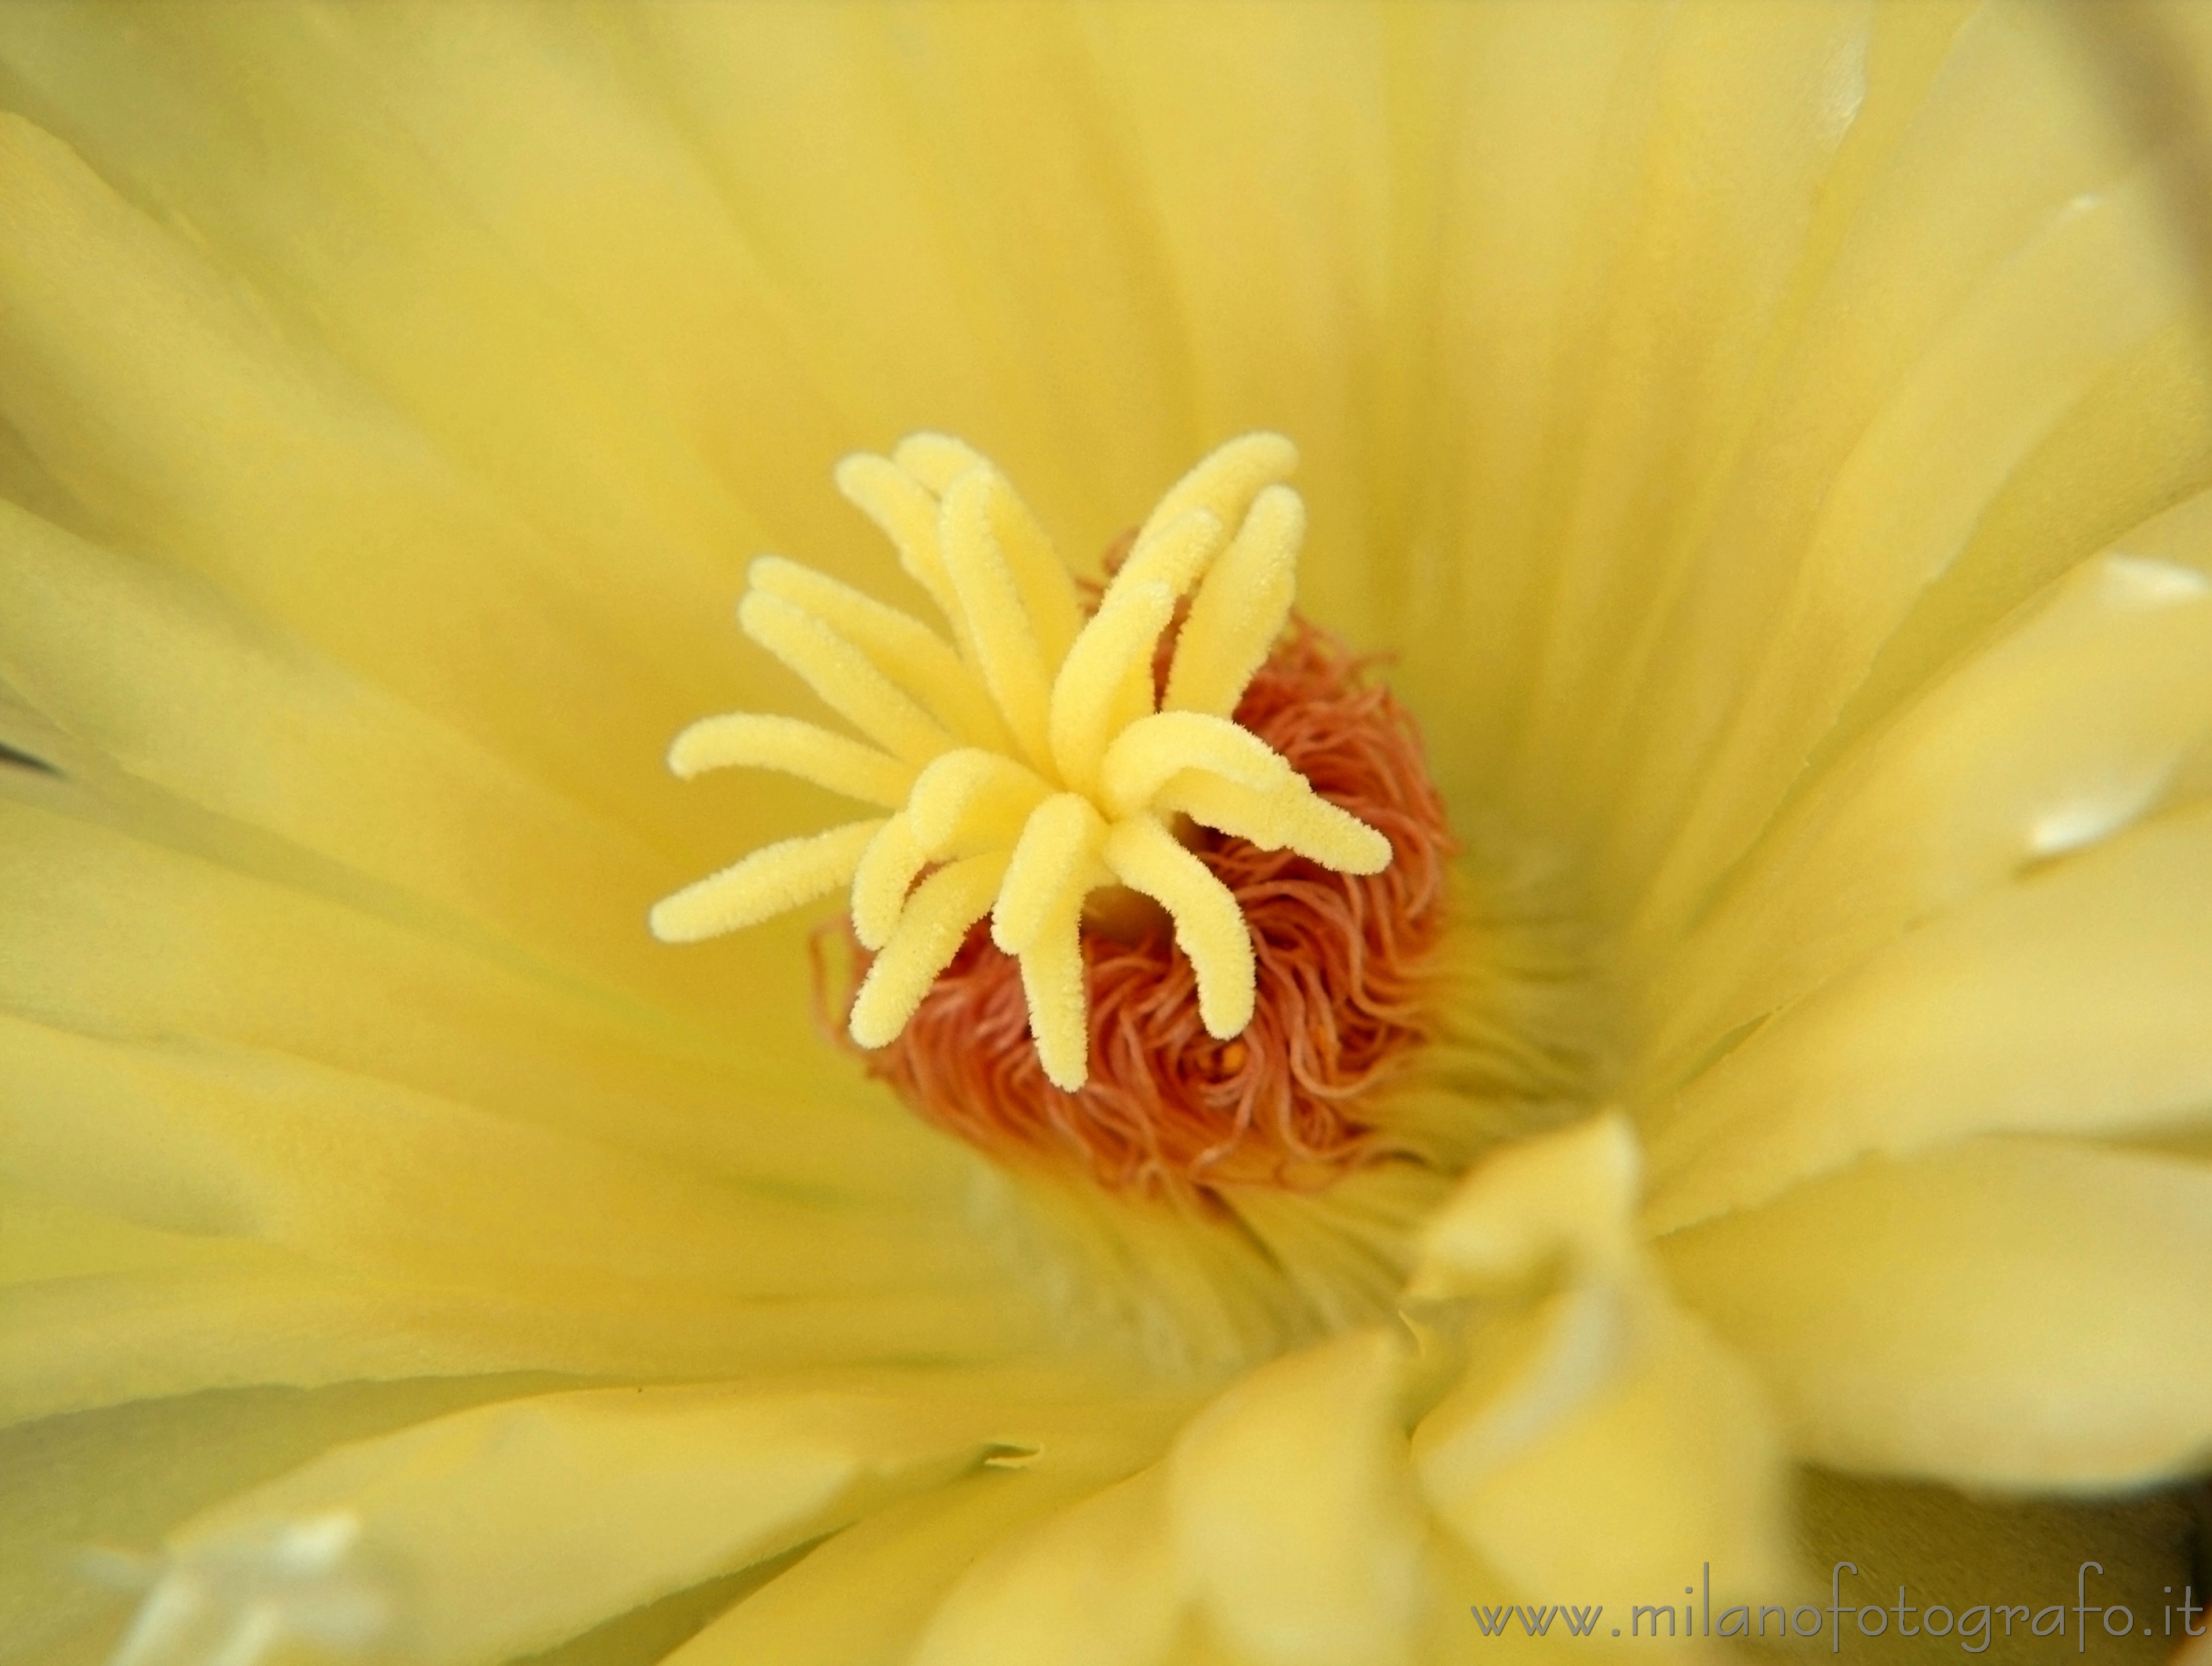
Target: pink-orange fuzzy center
[{"x": 1343, "y": 989}]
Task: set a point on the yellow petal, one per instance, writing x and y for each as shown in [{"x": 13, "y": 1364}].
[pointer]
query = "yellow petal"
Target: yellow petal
[
  {"x": 120, "y": 938},
  {"x": 1665, "y": 1445},
  {"x": 2007, "y": 1313},
  {"x": 2094, "y": 285},
  {"x": 368, "y": 1177},
  {"x": 298, "y": 488},
  {"x": 2056, "y": 736},
  {"x": 464, "y": 1524},
  {"x": 85, "y": 1491},
  {"x": 1092, "y": 1585},
  {"x": 1326, "y": 1572},
  {"x": 1582, "y": 1380},
  {"x": 2070, "y": 1002},
  {"x": 168, "y": 681},
  {"x": 866, "y": 1595},
  {"x": 1560, "y": 1199}
]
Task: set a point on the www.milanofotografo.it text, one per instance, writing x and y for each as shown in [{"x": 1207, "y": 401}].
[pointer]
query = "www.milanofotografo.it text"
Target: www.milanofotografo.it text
[{"x": 1974, "y": 1626}]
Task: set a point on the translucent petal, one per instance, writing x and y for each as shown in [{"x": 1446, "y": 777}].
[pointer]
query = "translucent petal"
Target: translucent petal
[
  {"x": 1980, "y": 1023},
  {"x": 2005, "y": 1313},
  {"x": 462, "y": 1524},
  {"x": 1092, "y": 1585},
  {"x": 2057, "y": 734},
  {"x": 1325, "y": 1572},
  {"x": 1583, "y": 1379}
]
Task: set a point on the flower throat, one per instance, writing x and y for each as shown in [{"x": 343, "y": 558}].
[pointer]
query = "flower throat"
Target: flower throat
[{"x": 1163, "y": 869}]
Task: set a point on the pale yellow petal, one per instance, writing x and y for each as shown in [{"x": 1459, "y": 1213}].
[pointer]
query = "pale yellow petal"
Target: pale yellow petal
[
  {"x": 866, "y": 1597},
  {"x": 2005, "y": 1313},
  {"x": 2094, "y": 283},
  {"x": 299, "y": 490},
  {"x": 368, "y": 1177},
  {"x": 1562, "y": 1201},
  {"x": 245, "y": 1315},
  {"x": 1092, "y": 1585},
  {"x": 168, "y": 683},
  {"x": 1582, "y": 1380},
  {"x": 86, "y": 1493},
  {"x": 884, "y": 188},
  {"x": 122, "y": 939},
  {"x": 1663, "y": 1446},
  {"x": 1328, "y": 1571},
  {"x": 2047, "y": 740},
  {"x": 465, "y": 1526},
  {"x": 2071, "y": 1001}
]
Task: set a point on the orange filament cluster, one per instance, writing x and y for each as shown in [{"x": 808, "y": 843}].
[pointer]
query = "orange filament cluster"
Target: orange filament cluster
[{"x": 1342, "y": 994}]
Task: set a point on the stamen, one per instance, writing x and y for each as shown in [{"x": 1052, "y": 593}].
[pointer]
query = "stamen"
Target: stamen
[
  {"x": 1028, "y": 759},
  {"x": 1342, "y": 967}
]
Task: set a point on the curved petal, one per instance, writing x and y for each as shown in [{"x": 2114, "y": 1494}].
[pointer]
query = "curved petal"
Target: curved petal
[
  {"x": 1327, "y": 1572},
  {"x": 1092, "y": 1585},
  {"x": 2009, "y": 1312},
  {"x": 1582, "y": 1380},
  {"x": 2073, "y": 1001},
  {"x": 463, "y": 1526},
  {"x": 2057, "y": 735}
]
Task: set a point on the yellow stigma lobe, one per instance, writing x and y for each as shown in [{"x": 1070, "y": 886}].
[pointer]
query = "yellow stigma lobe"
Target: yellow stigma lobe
[{"x": 1027, "y": 761}]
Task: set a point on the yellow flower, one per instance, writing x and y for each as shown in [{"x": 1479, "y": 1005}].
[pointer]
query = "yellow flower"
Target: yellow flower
[{"x": 1771, "y": 440}]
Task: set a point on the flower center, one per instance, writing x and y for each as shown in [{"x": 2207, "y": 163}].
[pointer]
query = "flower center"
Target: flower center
[
  {"x": 1342, "y": 983},
  {"x": 1157, "y": 873}
]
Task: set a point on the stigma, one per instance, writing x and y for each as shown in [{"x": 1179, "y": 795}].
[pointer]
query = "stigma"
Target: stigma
[{"x": 1057, "y": 769}]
